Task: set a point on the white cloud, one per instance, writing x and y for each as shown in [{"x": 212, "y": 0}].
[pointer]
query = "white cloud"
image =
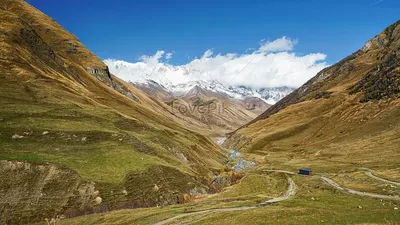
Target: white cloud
[
  {"x": 278, "y": 45},
  {"x": 152, "y": 60},
  {"x": 208, "y": 54},
  {"x": 272, "y": 65},
  {"x": 168, "y": 56}
]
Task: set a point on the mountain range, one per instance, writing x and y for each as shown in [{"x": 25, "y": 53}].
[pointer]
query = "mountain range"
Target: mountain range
[
  {"x": 141, "y": 75},
  {"x": 76, "y": 139}
]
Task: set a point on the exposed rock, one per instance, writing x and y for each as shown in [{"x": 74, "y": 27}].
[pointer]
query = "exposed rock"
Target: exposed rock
[
  {"x": 131, "y": 96},
  {"x": 72, "y": 48},
  {"x": 100, "y": 73},
  {"x": 36, "y": 191},
  {"x": 36, "y": 43},
  {"x": 378, "y": 42},
  {"x": 45, "y": 133},
  {"x": 104, "y": 75},
  {"x": 16, "y": 136},
  {"x": 159, "y": 185},
  {"x": 181, "y": 157},
  {"x": 98, "y": 200},
  {"x": 381, "y": 82},
  {"x": 197, "y": 191}
]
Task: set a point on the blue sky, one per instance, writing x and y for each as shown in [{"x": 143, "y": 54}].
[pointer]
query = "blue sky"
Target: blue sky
[{"x": 128, "y": 29}]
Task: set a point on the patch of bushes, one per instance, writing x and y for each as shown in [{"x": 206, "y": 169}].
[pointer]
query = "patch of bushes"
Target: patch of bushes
[
  {"x": 324, "y": 94},
  {"x": 381, "y": 82}
]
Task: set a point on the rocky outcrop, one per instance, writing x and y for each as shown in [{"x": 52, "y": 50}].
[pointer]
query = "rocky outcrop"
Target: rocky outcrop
[
  {"x": 30, "y": 192},
  {"x": 102, "y": 74},
  {"x": 376, "y": 42},
  {"x": 159, "y": 186},
  {"x": 383, "y": 39},
  {"x": 36, "y": 43},
  {"x": 383, "y": 81}
]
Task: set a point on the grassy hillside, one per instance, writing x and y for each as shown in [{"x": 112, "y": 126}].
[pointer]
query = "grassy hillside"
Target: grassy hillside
[
  {"x": 346, "y": 116},
  {"x": 60, "y": 105},
  {"x": 342, "y": 121},
  {"x": 314, "y": 203}
]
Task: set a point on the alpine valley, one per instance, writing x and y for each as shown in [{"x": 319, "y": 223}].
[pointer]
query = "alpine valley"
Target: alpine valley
[{"x": 82, "y": 144}]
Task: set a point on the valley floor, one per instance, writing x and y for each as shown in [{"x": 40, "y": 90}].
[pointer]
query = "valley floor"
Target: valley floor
[{"x": 268, "y": 195}]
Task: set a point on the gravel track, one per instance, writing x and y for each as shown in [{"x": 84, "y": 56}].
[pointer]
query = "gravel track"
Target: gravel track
[{"x": 288, "y": 194}]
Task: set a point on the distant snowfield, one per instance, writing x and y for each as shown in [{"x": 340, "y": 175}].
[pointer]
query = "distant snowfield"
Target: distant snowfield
[{"x": 270, "y": 72}]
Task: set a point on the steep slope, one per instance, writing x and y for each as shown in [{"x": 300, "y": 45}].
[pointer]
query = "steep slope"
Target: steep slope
[
  {"x": 202, "y": 109},
  {"x": 74, "y": 139},
  {"x": 346, "y": 115}
]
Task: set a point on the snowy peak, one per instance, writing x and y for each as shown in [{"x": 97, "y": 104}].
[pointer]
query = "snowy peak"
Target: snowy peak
[
  {"x": 273, "y": 95},
  {"x": 180, "y": 80}
]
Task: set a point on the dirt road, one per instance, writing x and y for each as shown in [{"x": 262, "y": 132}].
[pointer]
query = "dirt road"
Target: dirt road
[
  {"x": 199, "y": 215},
  {"x": 288, "y": 194},
  {"x": 281, "y": 171},
  {"x": 368, "y": 172},
  {"x": 360, "y": 193}
]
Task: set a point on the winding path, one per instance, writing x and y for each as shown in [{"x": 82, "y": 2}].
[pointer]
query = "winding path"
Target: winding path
[
  {"x": 360, "y": 193},
  {"x": 281, "y": 171},
  {"x": 368, "y": 172},
  {"x": 288, "y": 194}
]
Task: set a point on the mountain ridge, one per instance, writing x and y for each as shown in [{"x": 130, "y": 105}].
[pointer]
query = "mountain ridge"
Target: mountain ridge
[
  {"x": 79, "y": 138},
  {"x": 158, "y": 74},
  {"x": 204, "y": 109},
  {"x": 309, "y": 89},
  {"x": 352, "y": 105}
]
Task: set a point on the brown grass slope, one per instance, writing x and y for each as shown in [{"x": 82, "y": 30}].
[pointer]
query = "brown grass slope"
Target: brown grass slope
[
  {"x": 207, "y": 112},
  {"x": 62, "y": 112},
  {"x": 347, "y": 115}
]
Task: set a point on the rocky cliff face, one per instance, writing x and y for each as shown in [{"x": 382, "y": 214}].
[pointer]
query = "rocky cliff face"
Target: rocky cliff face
[
  {"x": 35, "y": 191},
  {"x": 102, "y": 74},
  {"x": 32, "y": 191}
]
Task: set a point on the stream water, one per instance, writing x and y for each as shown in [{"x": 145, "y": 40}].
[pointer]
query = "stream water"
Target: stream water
[{"x": 236, "y": 156}]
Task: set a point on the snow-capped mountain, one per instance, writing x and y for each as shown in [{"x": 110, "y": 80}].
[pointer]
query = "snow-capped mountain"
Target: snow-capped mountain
[
  {"x": 274, "y": 94},
  {"x": 179, "y": 80}
]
